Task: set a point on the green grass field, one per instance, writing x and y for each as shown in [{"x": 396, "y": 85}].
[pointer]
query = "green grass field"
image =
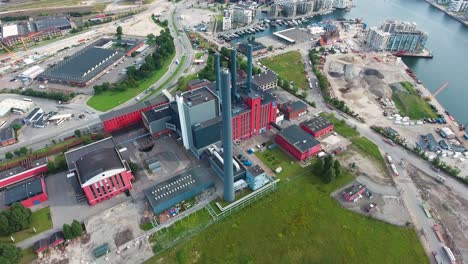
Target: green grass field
[
  {"x": 277, "y": 158},
  {"x": 341, "y": 127},
  {"x": 299, "y": 223},
  {"x": 410, "y": 104},
  {"x": 41, "y": 220},
  {"x": 38, "y": 4},
  {"x": 289, "y": 66},
  {"x": 110, "y": 99}
]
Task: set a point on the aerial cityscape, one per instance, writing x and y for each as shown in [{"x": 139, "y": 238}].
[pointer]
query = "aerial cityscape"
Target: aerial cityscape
[{"x": 191, "y": 131}]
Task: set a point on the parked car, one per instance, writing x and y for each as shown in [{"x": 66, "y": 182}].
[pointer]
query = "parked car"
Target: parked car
[{"x": 435, "y": 169}]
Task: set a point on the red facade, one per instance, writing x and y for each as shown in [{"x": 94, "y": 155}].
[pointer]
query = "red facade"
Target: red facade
[
  {"x": 108, "y": 187},
  {"x": 23, "y": 175},
  {"x": 8, "y": 142},
  {"x": 298, "y": 154},
  {"x": 38, "y": 198},
  {"x": 255, "y": 121},
  {"x": 320, "y": 133},
  {"x": 129, "y": 53},
  {"x": 128, "y": 119}
]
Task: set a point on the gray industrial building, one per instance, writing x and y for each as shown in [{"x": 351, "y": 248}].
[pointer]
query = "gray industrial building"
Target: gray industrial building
[
  {"x": 35, "y": 115},
  {"x": 182, "y": 187},
  {"x": 82, "y": 67},
  {"x": 61, "y": 23},
  {"x": 157, "y": 120},
  {"x": 199, "y": 112}
]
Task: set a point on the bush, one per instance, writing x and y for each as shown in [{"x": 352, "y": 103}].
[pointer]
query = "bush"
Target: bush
[
  {"x": 9, "y": 155},
  {"x": 76, "y": 228},
  {"x": 67, "y": 233}
]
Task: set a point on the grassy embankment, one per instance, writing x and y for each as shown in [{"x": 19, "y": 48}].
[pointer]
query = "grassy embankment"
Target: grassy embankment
[
  {"x": 362, "y": 144},
  {"x": 110, "y": 99},
  {"x": 410, "y": 104},
  {"x": 41, "y": 220},
  {"x": 299, "y": 223},
  {"x": 290, "y": 67}
]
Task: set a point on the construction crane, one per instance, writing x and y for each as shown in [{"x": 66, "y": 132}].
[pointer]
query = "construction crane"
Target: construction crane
[
  {"x": 10, "y": 52},
  {"x": 439, "y": 90},
  {"x": 25, "y": 46}
]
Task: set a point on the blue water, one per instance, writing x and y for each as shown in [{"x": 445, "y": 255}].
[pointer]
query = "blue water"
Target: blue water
[{"x": 448, "y": 40}]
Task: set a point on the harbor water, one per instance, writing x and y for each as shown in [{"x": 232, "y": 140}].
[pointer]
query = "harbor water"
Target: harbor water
[{"x": 448, "y": 41}]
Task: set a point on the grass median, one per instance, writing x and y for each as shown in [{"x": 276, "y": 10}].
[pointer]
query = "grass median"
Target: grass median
[{"x": 110, "y": 99}]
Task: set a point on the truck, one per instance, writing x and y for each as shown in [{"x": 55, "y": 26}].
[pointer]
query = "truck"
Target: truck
[
  {"x": 450, "y": 255},
  {"x": 436, "y": 229},
  {"x": 440, "y": 179},
  {"x": 426, "y": 210},
  {"x": 389, "y": 159},
  {"x": 394, "y": 170}
]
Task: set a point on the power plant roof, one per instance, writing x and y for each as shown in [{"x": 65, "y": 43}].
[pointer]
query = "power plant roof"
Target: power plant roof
[
  {"x": 198, "y": 96},
  {"x": 298, "y": 138}
]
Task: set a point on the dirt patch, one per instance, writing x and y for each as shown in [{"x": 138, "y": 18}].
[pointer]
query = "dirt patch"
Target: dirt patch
[
  {"x": 366, "y": 167},
  {"x": 123, "y": 237},
  {"x": 448, "y": 208}
]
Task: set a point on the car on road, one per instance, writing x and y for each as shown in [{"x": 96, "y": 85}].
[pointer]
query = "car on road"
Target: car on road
[
  {"x": 434, "y": 168},
  {"x": 369, "y": 194},
  {"x": 389, "y": 141}
]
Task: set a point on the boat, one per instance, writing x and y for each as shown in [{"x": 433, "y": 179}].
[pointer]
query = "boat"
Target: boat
[
  {"x": 295, "y": 22},
  {"x": 451, "y": 118},
  {"x": 273, "y": 23}
]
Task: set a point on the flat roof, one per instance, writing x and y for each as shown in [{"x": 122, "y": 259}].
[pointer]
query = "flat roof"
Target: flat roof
[
  {"x": 353, "y": 189},
  {"x": 177, "y": 185},
  {"x": 295, "y": 106},
  {"x": 23, "y": 191},
  {"x": 83, "y": 65},
  {"x": 32, "y": 113},
  {"x": 17, "y": 104},
  {"x": 52, "y": 22},
  {"x": 317, "y": 123},
  {"x": 256, "y": 170},
  {"x": 198, "y": 96},
  {"x": 298, "y": 138},
  {"x": 157, "y": 113},
  {"x": 20, "y": 169},
  {"x": 133, "y": 108}
]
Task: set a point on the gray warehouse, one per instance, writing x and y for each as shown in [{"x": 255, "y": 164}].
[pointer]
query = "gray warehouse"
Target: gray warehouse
[{"x": 82, "y": 67}]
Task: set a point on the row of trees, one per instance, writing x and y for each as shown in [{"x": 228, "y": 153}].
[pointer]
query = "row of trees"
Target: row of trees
[
  {"x": 152, "y": 63},
  {"x": 57, "y": 164},
  {"x": 14, "y": 219},
  {"x": 329, "y": 169},
  {"x": 59, "y": 96},
  {"x": 18, "y": 152},
  {"x": 72, "y": 231}
]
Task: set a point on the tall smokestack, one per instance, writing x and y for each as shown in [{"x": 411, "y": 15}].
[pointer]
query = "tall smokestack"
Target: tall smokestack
[
  {"x": 249, "y": 67},
  {"x": 233, "y": 72},
  {"x": 227, "y": 137},
  {"x": 217, "y": 72}
]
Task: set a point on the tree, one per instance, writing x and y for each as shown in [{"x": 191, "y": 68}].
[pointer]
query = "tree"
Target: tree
[
  {"x": 270, "y": 48},
  {"x": 76, "y": 228},
  {"x": 51, "y": 166},
  {"x": 77, "y": 133},
  {"x": 9, "y": 253},
  {"x": 14, "y": 219},
  {"x": 337, "y": 167},
  {"x": 329, "y": 175},
  {"x": 67, "y": 232},
  {"x": 8, "y": 155},
  {"x": 119, "y": 31}
]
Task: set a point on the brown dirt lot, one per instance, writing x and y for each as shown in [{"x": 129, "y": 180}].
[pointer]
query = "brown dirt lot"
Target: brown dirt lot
[{"x": 449, "y": 209}]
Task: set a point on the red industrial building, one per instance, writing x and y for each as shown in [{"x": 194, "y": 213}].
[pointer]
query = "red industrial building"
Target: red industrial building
[
  {"x": 354, "y": 192},
  {"x": 194, "y": 84},
  {"x": 131, "y": 115},
  {"x": 28, "y": 170},
  {"x": 100, "y": 170},
  {"x": 318, "y": 126},
  {"x": 29, "y": 193},
  {"x": 135, "y": 48},
  {"x": 292, "y": 110},
  {"x": 298, "y": 143},
  {"x": 258, "y": 110}
]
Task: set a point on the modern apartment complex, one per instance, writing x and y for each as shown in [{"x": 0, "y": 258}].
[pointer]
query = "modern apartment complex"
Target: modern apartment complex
[{"x": 397, "y": 36}]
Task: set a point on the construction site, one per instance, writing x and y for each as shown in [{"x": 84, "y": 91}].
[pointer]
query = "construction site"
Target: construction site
[{"x": 385, "y": 93}]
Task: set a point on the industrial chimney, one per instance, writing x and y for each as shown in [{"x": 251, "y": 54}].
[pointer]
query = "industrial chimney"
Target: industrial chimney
[
  {"x": 249, "y": 67},
  {"x": 227, "y": 137},
  {"x": 233, "y": 72},
  {"x": 217, "y": 74}
]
